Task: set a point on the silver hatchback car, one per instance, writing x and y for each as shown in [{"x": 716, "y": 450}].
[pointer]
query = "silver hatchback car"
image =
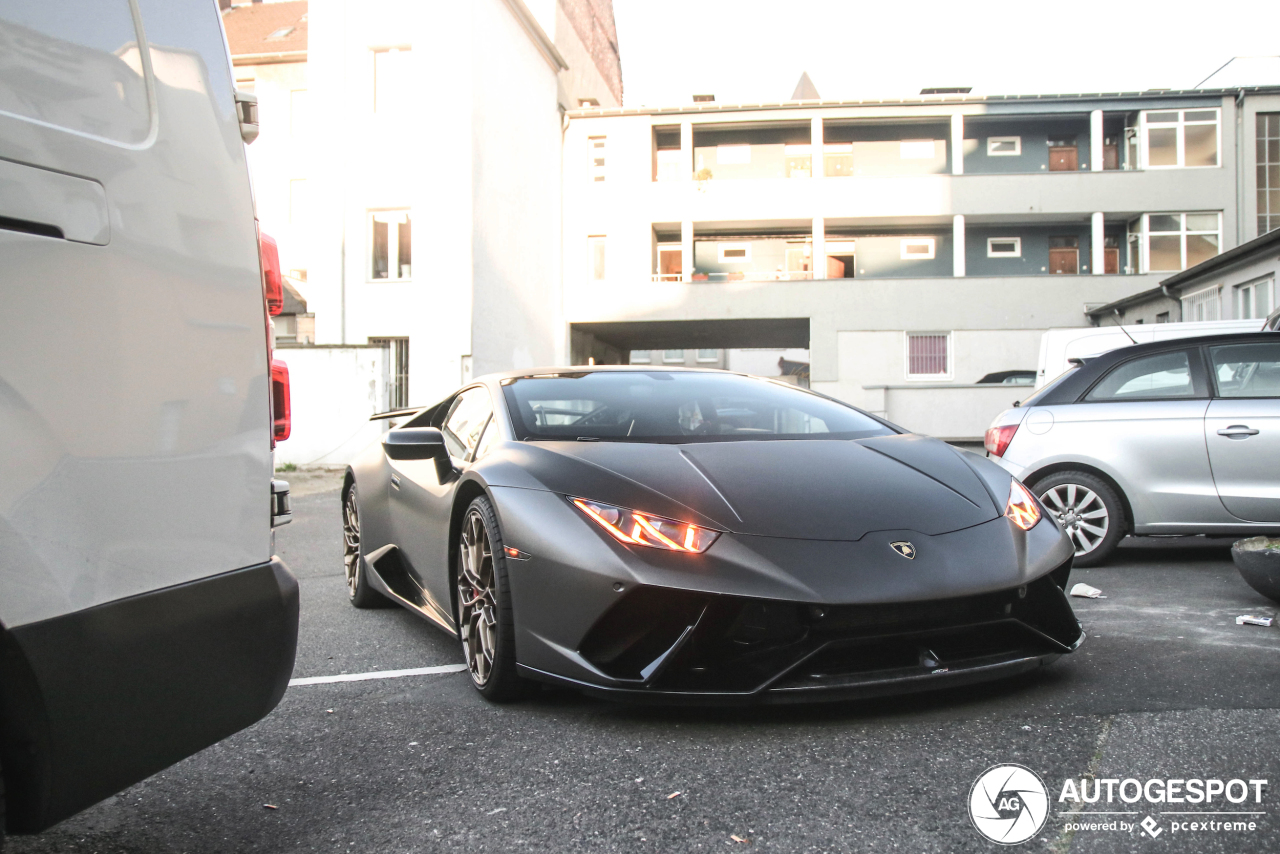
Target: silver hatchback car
[{"x": 1173, "y": 437}]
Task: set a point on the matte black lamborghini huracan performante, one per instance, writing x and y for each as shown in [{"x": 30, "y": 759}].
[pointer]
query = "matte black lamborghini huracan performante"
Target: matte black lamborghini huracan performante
[{"x": 702, "y": 536}]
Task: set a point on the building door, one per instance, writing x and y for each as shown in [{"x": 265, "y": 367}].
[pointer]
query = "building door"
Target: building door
[
  {"x": 670, "y": 263},
  {"x": 396, "y": 377},
  {"x": 1064, "y": 255},
  {"x": 1063, "y": 156},
  {"x": 1110, "y": 153},
  {"x": 1110, "y": 256}
]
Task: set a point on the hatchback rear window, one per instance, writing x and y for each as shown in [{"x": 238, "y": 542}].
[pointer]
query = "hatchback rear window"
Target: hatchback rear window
[{"x": 1155, "y": 377}]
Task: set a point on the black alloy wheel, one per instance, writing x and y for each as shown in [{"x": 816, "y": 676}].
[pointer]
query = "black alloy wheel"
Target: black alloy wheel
[
  {"x": 359, "y": 592},
  {"x": 486, "y": 624}
]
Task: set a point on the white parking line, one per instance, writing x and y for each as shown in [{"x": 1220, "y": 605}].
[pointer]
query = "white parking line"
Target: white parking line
[{"x": 377, "y": 674}]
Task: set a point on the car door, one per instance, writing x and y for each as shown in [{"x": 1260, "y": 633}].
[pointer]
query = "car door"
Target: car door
[
  {"x": 1146, "y": 422},
  {"x": 1242, "y": 429},
  {"x": 421, "y": 504}
]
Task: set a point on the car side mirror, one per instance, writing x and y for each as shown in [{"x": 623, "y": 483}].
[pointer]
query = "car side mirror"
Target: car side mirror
[{"x": 419, "y": 443}]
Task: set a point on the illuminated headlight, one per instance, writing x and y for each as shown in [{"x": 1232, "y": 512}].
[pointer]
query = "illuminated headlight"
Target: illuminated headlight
[
  {"x": 642, "y": 529},
  {"x": 1022, "y": 508}
]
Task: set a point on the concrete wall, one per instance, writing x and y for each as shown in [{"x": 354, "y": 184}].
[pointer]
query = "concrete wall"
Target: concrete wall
[{"x": 333, "y": 391}]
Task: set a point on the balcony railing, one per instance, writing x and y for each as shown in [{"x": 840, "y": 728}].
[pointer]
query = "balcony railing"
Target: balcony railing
[{"x": 737, "y": 276}]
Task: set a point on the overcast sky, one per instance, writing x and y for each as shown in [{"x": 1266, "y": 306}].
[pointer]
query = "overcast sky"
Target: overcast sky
[{"x": 745, "y": 51}]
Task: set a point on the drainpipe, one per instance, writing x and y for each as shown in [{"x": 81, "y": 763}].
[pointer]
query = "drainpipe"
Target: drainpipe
[{"x": 1240, "y": 167}]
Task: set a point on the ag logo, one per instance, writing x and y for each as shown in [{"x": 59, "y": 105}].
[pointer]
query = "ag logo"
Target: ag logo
[
  {"x": 904, "y": 548},
  {"x": 1008, "y": 804}
]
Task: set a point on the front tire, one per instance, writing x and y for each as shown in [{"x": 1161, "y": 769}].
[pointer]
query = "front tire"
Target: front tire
[
  {"x": 359, "y": 592},
  {"x": 486, "y": 623},
  {"x": 1088, "y": 509}
]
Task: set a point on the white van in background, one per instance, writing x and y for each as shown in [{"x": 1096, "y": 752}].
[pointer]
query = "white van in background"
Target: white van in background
[
  {"x": 143, "y": 616},
  {"x": 1059, "y": 346}
]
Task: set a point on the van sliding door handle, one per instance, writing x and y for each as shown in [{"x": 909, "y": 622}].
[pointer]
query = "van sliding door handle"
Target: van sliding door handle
[{"x": 51, "y": 204}]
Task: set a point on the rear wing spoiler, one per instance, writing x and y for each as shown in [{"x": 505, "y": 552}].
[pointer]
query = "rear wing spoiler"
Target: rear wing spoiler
[{"x": 396, "y": 413}]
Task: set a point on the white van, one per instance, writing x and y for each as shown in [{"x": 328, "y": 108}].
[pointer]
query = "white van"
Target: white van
[
  {"x": 1059, "y": 346},
  {"x": 142, "y": 615}
]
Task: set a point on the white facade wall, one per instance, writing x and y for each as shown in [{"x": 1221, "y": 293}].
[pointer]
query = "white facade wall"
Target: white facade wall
[{"x": 474, "y": 156}]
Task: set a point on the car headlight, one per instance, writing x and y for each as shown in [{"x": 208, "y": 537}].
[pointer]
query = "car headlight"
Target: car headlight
[
  {"x": 644, "y": 529},
  {"x": 1023, "y": 509}
]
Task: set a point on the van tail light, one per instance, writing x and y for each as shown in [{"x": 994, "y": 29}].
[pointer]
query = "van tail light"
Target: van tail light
[
  {"x": 272, "y": 279},
  {"x": 281, "y": 417},
  {"x": 998, "y": 439}
]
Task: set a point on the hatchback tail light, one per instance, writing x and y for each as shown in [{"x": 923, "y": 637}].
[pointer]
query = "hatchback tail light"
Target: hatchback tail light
[
  {"x": 272, "y": 278},
  {"x": 281, "y": 417},
  {"x": 998, "y": 439}
]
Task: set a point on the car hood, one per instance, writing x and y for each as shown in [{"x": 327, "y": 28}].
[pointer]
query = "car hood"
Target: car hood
[{"x": 808, "y": 489}]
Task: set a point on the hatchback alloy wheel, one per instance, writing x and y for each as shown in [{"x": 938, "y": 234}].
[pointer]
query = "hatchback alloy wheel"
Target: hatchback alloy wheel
[{"x": 1080, "y": 512}]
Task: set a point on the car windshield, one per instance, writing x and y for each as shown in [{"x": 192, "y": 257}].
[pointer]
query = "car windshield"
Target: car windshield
[{"x": 676, "y": 407}]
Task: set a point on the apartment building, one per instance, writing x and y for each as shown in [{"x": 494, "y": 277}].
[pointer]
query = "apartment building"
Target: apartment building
[{"x": 911, "y": 247}]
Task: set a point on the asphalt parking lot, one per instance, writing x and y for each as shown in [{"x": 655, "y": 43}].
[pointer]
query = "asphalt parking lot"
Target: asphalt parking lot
[{"x": 1166, "y": 686}]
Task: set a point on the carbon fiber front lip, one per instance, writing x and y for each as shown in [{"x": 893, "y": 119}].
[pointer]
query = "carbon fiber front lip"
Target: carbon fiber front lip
[{"x": 859, "y": 687}]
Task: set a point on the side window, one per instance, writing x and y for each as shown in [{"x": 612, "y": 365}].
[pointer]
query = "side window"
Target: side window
[
  {"x": 1247, "y": 370},
  {"x": 488, "y": 440},
  {"x": 465, "y": 421},
  {"x": 1163, "y": 375}
]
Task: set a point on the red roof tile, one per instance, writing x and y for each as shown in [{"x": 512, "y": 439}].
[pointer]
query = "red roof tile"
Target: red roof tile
[{"x": 258, "y": 28}]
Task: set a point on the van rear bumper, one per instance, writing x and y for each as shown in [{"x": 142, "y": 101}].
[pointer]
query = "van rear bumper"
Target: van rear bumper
[{"x": 94, "y": 701}]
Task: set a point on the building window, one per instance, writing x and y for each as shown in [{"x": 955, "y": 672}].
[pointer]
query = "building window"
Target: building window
[
  {"x": 595, "y": 245},
  {"x": 640, "y": 357},
  {"x": 1004, "y": 247},
  {"x": 1268, "y": 172},
  {"x": 1004, "y": 146},
  {"x": 708, "y": 355},
  {"x": 396, "y": 371},
  {"x": 917, "y": 248},
  {"x": 1204, "y": 304},
  {"x": 1162, "y": 317},
  {"x": 597, "y": 148},
  {"x": 916, "y": 149},
  {"x": 1180, "y": 138},
  {"x": 734, "y": 253},
  {"x": 928, "y": 355},
  {"x": 672, "y": 357},
  {"x": 1178, "y": 241},
  {"x": 390, "y": 245},
  {"x": 391, "y": 85},
  {"x": 1255, "y": 299}
]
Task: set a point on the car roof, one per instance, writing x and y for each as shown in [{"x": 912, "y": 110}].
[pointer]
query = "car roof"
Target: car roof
[
  {"x": 530, "y": 373},
  {"x": 1073, "y": 386}
]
